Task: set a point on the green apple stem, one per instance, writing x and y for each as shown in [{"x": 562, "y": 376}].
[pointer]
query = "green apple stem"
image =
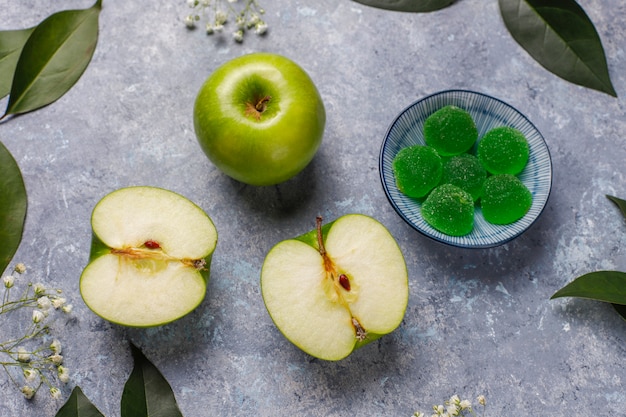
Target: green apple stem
[
  {"x": 257, "y": 109},
  {"x": 140, "y": 253},
  {"x": 338, "y": 279}
]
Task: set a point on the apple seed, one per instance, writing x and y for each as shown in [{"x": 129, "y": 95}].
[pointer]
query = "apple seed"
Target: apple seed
[
  {"x": 344, "y": 281},
  {"x": 151, "y": 244}
]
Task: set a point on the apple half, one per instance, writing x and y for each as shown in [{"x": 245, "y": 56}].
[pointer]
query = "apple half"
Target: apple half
[
  {"x": 337, "y": 287},
  {"x": 150, "y": 257}
]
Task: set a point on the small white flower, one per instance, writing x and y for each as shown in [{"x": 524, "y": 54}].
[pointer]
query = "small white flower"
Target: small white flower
[
  {"x": 44, "y": 303},
  {"x": 190, "y": 21},
  {"x": 454, "y": 399},
  {"x": 55, "y": 346},
  {"x": 57, "y": 302},
  {"x": 209, "y": 29},
  {"x": 232, "y": 1},
  {"x": 439, "y": 409},
  {"x": 28, "y": 392},
  {"x": 67, "y": 308},
  {"x": 260, "y": 28},
  {"x": 238, "y": 35},
  {"x": 481, "y": 400},
  {"x": 63, "y": 374},
  {"x": 20, "y": 268},
  {"x": 8, "y": 280},
  {"x": 38, "y": 316},
  {"x": 192, "y": 3},
  {"x": 418, "y": 414},
  {"x": 55, "y": 393},
  {"x": 39, "y": 289},
  {"x": 254, "y": 19},
  {"x": 240, "y": 22},
  {"x": 206, "y": 3},
  {"x": 465, "y": 404},
  {"x": 220, "y": 18},
  {"x": 30, "y": 374},
  {"x": 218, "y": 28},
  {"x": 56, "y": 359},
  {"x": 22, "y": 355},
  {"x": 452, "y": 410}
]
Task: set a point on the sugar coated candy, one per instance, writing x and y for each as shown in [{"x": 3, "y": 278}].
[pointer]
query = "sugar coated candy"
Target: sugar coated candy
[
  {"x": 503, "y": 150},
  {"x": 465, "y": 171},
  {"x": 505, "y": 199},
  {"x": 449, "y": 209},
  {"x": 450, "y": 130},
  {"x": 417, "y": 170}
]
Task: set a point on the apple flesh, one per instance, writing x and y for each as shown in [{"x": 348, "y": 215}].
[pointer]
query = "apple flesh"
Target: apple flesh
[
  {"x": 150, "y": 257},
  {"x": 337, "y": 287},
  {"x": 259, "y": 118}
]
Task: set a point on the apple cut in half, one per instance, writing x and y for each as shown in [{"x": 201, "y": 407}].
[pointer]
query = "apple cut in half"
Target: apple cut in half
[
  {"x": 337, "y": 287},
  {"x": 150, "y": 257}
]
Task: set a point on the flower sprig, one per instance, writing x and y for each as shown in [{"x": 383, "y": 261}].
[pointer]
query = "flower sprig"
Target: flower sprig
[
  {"x": 454, "y": 407},
  {"x": 218, "y": 13},
  {"x": 32, "y": 360}
]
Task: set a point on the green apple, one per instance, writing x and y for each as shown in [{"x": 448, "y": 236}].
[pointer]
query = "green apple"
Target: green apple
[
  {"x": 337, "y": 287},
  {"x": 150, "y": 257},
  {"x": 259, "y": 118}
]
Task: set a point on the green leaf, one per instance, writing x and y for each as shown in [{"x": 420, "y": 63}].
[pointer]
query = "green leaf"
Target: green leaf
[
  {"x": 78, "y": 405},
  {"x": 415, "y": 6},
  {"x": 53, "y": 59},
  {"x": 559, "y": 35},
  {"x": 608, "y": 286},
  {"x": 13, "y": 204},
  {"x": 620, "y": 203},
  {"x": 147, "y": 393},
  {"x": 621, "y": 309},
  {"x": 11, "y": 44}
]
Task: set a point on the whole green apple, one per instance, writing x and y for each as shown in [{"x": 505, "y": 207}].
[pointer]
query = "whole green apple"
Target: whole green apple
[{"x": 259, "y": 118}]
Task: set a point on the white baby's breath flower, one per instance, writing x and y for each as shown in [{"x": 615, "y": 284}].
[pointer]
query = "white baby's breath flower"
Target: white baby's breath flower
[
  {"x": 238, "y": 35},
  {"x": 190, "y": 21},
  {"x": 28, "y": 392},
  {"x": 481, "y": 400},
  {"x": 9, "y": 281},
  {"x": 30, "y": 374},
  {"x": 192, "y": 3},
  {"x": 67, "y": 308},
  {"x": 56, "y": 359},
  {"x": 20, "y": 268},
  {"x": 44, "y": 303},
  {"x": 452, "y": 410},
  {"x": 260, "y": 28},
  {"x": 22, "y": 354},
  {"x": 39, "y": 289},
  {"x": 220, "y": 18},
  {"x": 55, "y": 393},
  {"x": 38, "y": 316},
  {"x": 63, "y": 374},
  {"x": 57, "y": 302},
  {"x": 465, "y": 404},
  {"x": 55, "y": 346}
]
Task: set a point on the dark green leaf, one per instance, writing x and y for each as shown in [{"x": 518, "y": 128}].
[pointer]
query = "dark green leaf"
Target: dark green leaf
[
  {"x": 78, "y": 405},
  {"x": 147, "y": 393},
  {"x": 53, "y": 59},
  {"x": 12, "y": 207},
  {"x": 620, "y": 203},
  {"x": 559, "y": 35},
  {"x": 621, "y": 309},
  {"x": 609, "y": 286},
  {"x": 11, "y": 44},
  {"x": 415, "y": 6}
]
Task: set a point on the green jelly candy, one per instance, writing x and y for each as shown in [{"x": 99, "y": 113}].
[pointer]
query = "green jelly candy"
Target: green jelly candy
[
  {"x": 503, "y": 150},
  {"x": 450, "y": 130},
  {"x": 417, "y": 170},
  {"x": 465, "y": 171},
  {"x": 449, "y": 209},
  {"x": 505, "y": 199}
]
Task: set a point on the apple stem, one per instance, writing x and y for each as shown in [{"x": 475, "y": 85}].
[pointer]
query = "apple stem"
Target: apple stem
[
  {"x": 261, "y": 105},
  {"x": 320, "y": 240}
]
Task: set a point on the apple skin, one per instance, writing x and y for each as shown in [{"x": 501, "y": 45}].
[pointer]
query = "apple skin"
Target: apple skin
[{"x": 266, "y": 147}]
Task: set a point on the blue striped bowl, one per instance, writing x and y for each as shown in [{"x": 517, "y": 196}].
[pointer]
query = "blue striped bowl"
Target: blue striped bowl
[{"x": 488, "y": 112}]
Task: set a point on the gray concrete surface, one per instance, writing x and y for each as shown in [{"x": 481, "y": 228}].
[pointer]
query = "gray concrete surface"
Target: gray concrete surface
[{"x": 478, "y": 321}]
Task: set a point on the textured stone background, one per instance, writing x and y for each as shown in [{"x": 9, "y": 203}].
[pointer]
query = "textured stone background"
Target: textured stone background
[{"x": 478, "y": 322}]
